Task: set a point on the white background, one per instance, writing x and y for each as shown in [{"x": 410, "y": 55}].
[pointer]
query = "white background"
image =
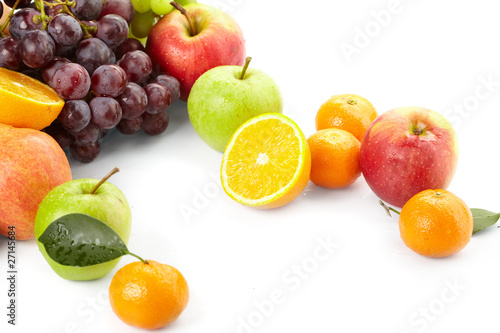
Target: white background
[{"x": 434, "y": 54}]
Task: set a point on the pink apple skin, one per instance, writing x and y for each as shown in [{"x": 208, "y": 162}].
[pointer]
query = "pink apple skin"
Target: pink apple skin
[
  {"x": 398, "y": 162},
  {"x": 218, "y": 41},
  {"x": 31, "y": 164}
]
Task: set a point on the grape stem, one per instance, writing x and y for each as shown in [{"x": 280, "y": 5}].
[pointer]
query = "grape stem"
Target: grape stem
[
  {"x": 245, "y": 67},
  {"x": 388, "y": 209},
  {"x": 7, "y": 20},
  {"x": 102, "y": 181},
  {"x": 44, "y": 18},
  {"x": 184, "y": 12}
]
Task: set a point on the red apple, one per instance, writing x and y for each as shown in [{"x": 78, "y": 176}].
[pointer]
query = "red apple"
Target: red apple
[
  {"x": 217, "y": 40},
  {"x": 408, "y": 150},
  {"x": 31, "y": 164}
]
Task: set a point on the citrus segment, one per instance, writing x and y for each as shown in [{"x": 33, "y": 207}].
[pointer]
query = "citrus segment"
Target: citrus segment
[
  {"x": 27, "y": 102},
  {"x": 267, "y": 162}
]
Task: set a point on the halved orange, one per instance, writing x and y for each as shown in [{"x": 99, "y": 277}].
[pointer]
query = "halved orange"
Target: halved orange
[
  {"x": 26, "y": 102},
  {"x": 267, "y": 162}
]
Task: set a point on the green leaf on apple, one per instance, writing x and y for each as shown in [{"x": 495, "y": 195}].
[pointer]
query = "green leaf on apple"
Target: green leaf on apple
[
  {"x": 483, "y": 219},
  {"x": 81, "y": 240}
]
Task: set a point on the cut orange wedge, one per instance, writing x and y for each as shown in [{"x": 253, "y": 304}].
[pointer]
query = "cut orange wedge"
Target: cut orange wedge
[
  {"x": 267, "y": 162},
  {"x": 26, "y": 102}
]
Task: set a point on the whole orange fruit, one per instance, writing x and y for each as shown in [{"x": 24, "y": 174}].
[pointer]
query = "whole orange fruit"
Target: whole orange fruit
[
  {"x": 436, "y": 223},
  {"x": 148, "y": 295},
  {"x": 349, "y": 112},
  {"x": 334, "y": 158}
]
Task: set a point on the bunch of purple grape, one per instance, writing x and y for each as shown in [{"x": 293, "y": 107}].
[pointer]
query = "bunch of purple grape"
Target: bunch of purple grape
[{"x": 80, "y": 48}]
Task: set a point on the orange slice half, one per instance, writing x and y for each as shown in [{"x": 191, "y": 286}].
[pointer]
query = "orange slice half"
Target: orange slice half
[
  {"x": 267, "y": 162},
  {"x": 27, "y": 102}
]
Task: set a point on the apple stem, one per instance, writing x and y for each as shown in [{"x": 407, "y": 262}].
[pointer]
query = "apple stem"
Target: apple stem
[
  {"x": 102, "y": 181},
  {"x": 388, "y": 209},
  {"x": 184, "y": 12},
  {"x": 245, "y": 67}
]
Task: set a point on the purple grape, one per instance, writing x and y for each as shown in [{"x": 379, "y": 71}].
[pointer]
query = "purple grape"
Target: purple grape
[
  {"x": 158, "y": 98},
  {"x": 87, "y": 9},
  {"x": 86, "y": 136},
  {"x": 137, "y": 65},
  {"x": 75, "y": 115},
  {"x": 171, "y": 83},
  {"x": 58, "y": 133},
  {"x": 21, "y": 4},
  {"x": 112, "y": 29},
  {"x": 37, "y": 48},
  {"x": 154, "y": 124},
  {"x": 67, "y": 52},
  {"x": 22, "y": 22},
  {"x": 85, "y": 154},
  {"x": 129, "y": 126},
  {"x": 51, "y": 67},
  {"x": 71, "y": 81},
  {"x": 1, "y": 10},
  {"x": 123, "y": 8},
  {"x": 109, "y": 81},
  {"x": 9, "y": 54},
  {"x": 130, "y": 44},
  {"x": 133, "y": 101},
  {"x": 65, "y": 30},
  {"x": 106, "y": 112},
  {"x": 53, "y": 10},
  {"x": 92, "y": 53}
]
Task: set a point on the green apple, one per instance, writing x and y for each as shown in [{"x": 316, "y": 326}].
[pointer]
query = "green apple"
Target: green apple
[
  {"x": 107, "y": 203},
  {"x": 225, "y": 97}
]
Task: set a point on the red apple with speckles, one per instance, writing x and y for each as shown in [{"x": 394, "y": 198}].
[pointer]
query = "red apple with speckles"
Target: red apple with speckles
[
  {"x": 408, "y": 150},
  {"x": 185, "y": 54},
  {"x": 31, "y": 164}
]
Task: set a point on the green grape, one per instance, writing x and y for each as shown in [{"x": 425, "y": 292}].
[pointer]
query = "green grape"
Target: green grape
[
  {"x": 142, "y": 23},
  {"x": 141, "y": 6},
  {"x": 186, "y": 2},
  {"x": 161, "y": 7}
]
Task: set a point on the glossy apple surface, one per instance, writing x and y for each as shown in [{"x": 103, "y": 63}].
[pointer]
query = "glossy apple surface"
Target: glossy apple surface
[
  {"x": 107, "y": 204},
  {"x": 31, "y": 164},
  {"x": 221, "y": 101},
  {"x": 217, "y": 40},
  {"x": 408, "y": 150}
]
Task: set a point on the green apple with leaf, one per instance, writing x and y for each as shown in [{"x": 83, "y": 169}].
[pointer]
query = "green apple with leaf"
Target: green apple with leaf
[
  {"x": 99, "y": 199},
  {"x": 225, "y": 97}
]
